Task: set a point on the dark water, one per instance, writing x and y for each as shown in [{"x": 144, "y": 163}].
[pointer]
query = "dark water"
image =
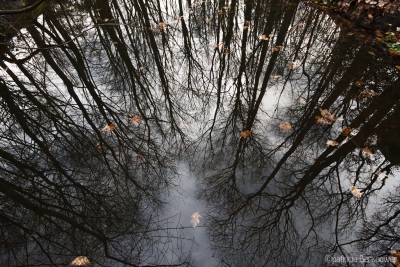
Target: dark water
[{"x": 119, "y": 119}]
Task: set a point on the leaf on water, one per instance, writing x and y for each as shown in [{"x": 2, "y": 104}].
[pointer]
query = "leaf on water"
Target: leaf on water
[
  {"x": 382, "y": 176},
  {"x": 276, "y": 76},
  {"x": 181, "y": 125},
  {"x": 285, "y": 126},
  {"x": 367, "y": 150},
  {"x": 276, "y": 48},
  {"x": 293, "y": 65},
  {"x": 358, "y": 83},
  {"x": 398, "y": 67},
  {"x": 369, "y": 93},
  {"x": 245, "y": 134},
  {"x": 107, "y": 128},
  {"x": 327, "y": 115},
  {"x": 321, "y": 120},
  {"x": 264, "y": 37},
  {"x": 356, "y": 192},
  {"x": 395, "y": 257},
  {"x": 347, "y": 131},
  {"x": 332, "y": 143},
  {"x": 195, "y": 219},
  {"x": 135, "y": 119},
  {"x": 81, "y": 261}
]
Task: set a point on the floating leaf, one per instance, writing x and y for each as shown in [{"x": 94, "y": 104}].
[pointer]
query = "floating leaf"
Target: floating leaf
[
  {"x": 276, "y": 48},
  {"x": 332, "y": 143},
  {"x": 395, "y": 257},
  {"x": 264, "y": 37},
  {"x": 327, "y": 115},
  {"x": 398, "y": 67},
  {"x": 367, "y": 150},
  {"x": 347, "y": 131},
  {"x": 356, "y": 192},
  {"x": 245, "y": 134},
  {"x": 276, "y": 76},
  {"x": 322, "y": 120},
  {"x": 195, "y": 219},
  {"x": 135, "y": 119},
  {"x": 369, "y": 93},
  {"x": 382, "y": 176},
  {"x": 285, "y": 126},
  {"x": 107, "y": 128},
  {"x": 81, "y": 261},
  {"x": 293, "y": 65},
  {"x": 358, "y": 83}
]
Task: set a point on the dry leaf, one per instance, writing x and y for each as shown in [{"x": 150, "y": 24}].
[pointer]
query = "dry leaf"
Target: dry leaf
[
  {"x": 369, "y": 93},
  {"x": 367, "y": 150},
  {"x": 135, "y": 119},
  {"x": 332, "y": 143},
  {"x": 276, "y": 48},
  {"x": 398, "y": 67},
  {"x": 322, "y": 120},
  {"x": 245, "y": 134},
  {"x": 358, "y": 83},
  {"x": 347, "y": 131},
  {"x": 264, "y": 37},
  {"x": 81, "y": 261},
  {"x": 276, "y": 76},
  {"x": 293, "y": 66},
  {"x": 107, "y": 128},
  {"x": 195, "y": 219},
  {"x": 395, "y": 257},
  {"x": 356, "y": 192},
  {"x": 285, "y": 126},
  {"x": 382, "y": 176},
  {"x": 327, "y": 115}
]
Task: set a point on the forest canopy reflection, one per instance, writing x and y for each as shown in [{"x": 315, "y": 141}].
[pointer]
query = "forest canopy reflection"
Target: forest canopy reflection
[{"x": 278, "y": 110}]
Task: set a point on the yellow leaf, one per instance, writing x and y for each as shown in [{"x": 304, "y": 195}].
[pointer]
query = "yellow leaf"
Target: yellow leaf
[
  {"x": 135, "y": 119},
  {"x": 107, "y": 128},
  {"x": 81, "y": 261},
  {"x": 285, "y": 126},
  {"x": 245, "y": 134}
]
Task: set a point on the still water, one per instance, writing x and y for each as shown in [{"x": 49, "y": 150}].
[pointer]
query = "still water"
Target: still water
[{"x": 197, "y": 133}]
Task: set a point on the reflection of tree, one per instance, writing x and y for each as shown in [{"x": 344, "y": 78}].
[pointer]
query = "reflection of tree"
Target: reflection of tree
[
  {"x": 269, "y": 180},
  {"x": 71, "y": 186},
  {"x": 97, "y": 99}
]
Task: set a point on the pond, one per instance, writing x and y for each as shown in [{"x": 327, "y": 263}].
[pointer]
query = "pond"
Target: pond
[{"x": 197, "y": 133}]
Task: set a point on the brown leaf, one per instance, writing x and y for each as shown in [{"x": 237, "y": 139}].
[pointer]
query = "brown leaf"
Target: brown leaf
[
  {"x": 397, "y": 67},
  {"x": 369, "y": 93},
  {"x": 322, "y": 120},
  {"x": 285, "y": 126},
  {"x": 347, "y": 131},
  {"x": 245, "y": 134},
  {"x": 135, "y": 119},
  {"x": 332, "y": 143},
  {"x": 107, "y": 128},
  {"x": 358, "y": 83},
  {"x": 367, "y": 150},
  {"x": 81, "y": 261}
]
